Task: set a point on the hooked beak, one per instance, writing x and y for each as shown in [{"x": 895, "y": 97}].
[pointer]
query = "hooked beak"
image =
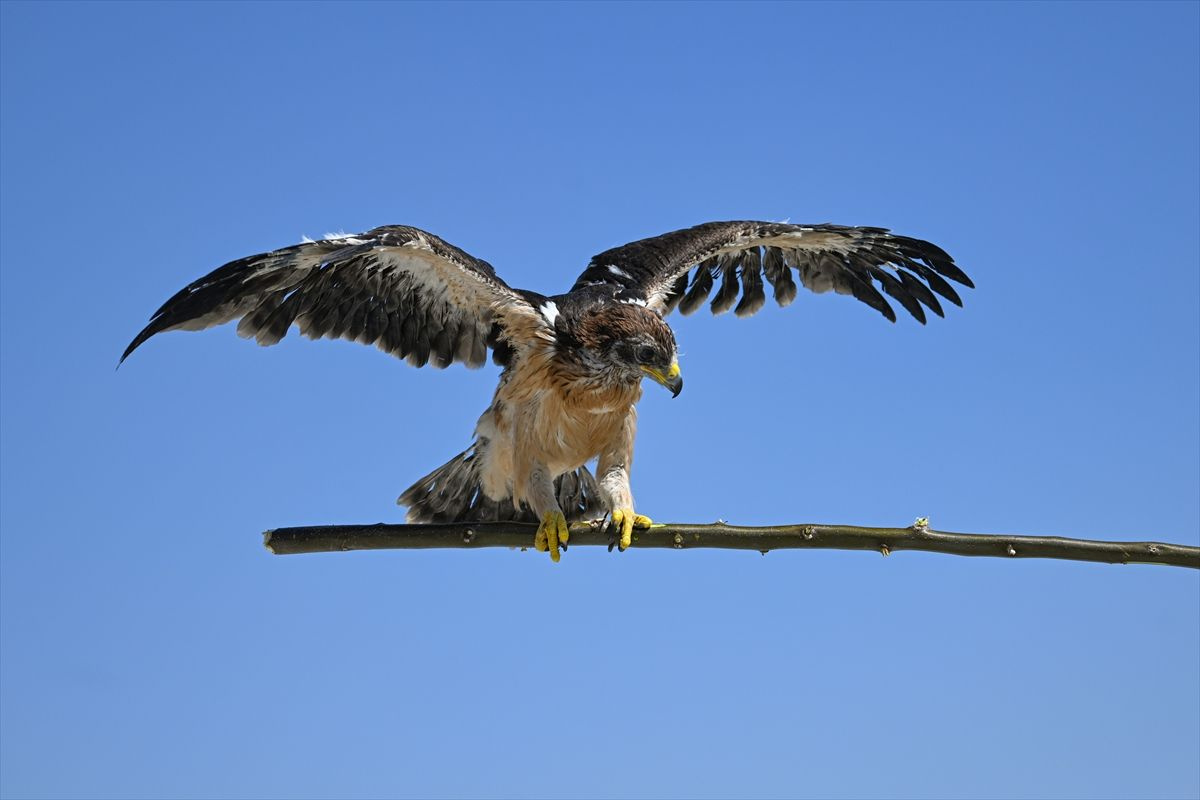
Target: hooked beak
[{"x": 673, "y": 380}]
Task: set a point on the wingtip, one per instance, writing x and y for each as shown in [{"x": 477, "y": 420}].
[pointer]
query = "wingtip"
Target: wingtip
[
  {"x": 138, "y": 341},
  {"x": 132, "y": 346},
  {"x": 917, "y": 311}
]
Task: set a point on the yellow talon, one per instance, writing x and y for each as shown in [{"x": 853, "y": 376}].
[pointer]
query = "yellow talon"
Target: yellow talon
[
  {"x": 550, "y": 533},
  {"x": 625, "y": 521}
]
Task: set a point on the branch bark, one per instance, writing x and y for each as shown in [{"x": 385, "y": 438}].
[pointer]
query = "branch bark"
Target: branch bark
[{"x": 331, "y": 538}]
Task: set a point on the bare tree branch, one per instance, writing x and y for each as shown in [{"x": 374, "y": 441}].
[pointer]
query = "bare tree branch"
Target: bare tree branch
[{"x": 329, "y": 538}]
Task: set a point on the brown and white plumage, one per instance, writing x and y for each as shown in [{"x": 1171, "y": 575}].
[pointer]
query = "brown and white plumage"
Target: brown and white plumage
[
  {"x": 825, "y": 257},
  {"x": 404, "y": 290},
  {"x": 573, "y": 363}
]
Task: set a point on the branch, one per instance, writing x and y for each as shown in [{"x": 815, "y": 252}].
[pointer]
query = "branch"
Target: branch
[{"x": 330, "y": 538}]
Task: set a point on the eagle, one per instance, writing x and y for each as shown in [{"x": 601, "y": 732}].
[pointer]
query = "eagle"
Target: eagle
[{"x": 573, "y": 363}]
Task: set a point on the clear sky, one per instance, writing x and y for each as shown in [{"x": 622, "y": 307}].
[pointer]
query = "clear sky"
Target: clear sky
[{"x": 152, "y": 648}]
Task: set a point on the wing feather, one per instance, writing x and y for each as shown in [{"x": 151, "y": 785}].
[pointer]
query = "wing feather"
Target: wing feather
[
  {"x": 702, "y": 283},
  {"x": 920, "y": 291},
  {"x": 779, "y": 275},
  {"x": 729, "y": 285},
  {"x": 399, "y": 288},
  {"x": 753, "y": 296},
  {"x": 866, "y": 263}
]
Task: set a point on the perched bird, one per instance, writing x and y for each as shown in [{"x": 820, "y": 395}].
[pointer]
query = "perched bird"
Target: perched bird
[{"x": 572, "y": 363}]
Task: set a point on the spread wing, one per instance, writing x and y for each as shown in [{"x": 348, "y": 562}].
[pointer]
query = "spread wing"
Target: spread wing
[
  {"x": 681, "y": 268},
  {"x": 405, "y": 291}
]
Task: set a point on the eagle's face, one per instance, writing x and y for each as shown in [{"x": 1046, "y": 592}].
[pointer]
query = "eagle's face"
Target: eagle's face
[{"x": 626, "y": 342}]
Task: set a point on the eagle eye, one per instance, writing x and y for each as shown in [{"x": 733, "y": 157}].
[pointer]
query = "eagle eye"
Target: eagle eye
[{"x": 645, "y": 354}]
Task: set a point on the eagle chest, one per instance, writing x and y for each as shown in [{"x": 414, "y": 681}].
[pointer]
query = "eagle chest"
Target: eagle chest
[
  {"x": 571, "y": 432},
  {"x": 563, "y": 426}
]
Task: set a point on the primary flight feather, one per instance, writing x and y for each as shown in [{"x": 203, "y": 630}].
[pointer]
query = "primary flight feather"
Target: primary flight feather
[{"x": 572, "y": 363}]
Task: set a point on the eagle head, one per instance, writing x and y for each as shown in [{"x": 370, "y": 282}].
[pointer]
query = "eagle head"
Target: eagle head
[{"x": 626, "y": 342}]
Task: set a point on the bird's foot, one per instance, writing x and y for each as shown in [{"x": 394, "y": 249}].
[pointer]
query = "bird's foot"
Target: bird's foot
[
  {"x": 622, "y": 525},
  {"x": 551, "y": 533}
]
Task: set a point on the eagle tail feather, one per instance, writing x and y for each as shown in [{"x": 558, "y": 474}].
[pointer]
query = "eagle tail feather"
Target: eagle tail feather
[{"x": 454, "y": 493}]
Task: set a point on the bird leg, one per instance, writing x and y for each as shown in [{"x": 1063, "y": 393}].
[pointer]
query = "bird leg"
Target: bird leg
[
  {"x": 553, "y": 530},
  {"x": 614, "y": 488}
]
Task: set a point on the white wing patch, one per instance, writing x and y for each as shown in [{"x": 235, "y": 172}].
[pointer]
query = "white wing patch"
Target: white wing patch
[
  {"x": 341, "y": 237},
  {"x": 550, "y": 312},
  {"x": 620, "y": 273}
]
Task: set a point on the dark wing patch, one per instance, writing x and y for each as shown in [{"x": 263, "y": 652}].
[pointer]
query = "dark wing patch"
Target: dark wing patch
[
  {"x": 866, "y": 263},
  {"x": 405, "y": 291}
]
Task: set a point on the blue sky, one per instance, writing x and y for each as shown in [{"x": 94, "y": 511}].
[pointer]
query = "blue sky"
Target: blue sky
[{"x": 152, "y": 648}]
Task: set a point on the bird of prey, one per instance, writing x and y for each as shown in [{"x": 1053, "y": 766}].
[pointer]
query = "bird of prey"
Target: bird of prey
[{"x": 572, "y": 363}]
